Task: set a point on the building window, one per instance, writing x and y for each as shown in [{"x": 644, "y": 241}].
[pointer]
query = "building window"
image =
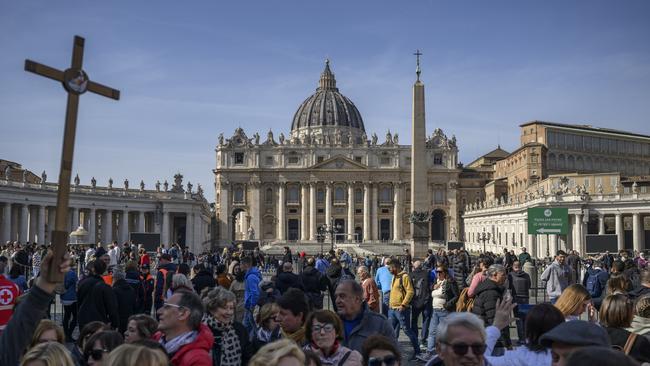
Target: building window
[
  {"x": 238, "y": 196},
  {"x": 269, "y": 196},
  {"x": 439, "y": 196},
  {"x": 293, "y": 160},
  {"x": 437, "y": 159},
  {"x": 293, "y": 195},
  {"x": 239, "y": 158},
  {"x": 384, "y": 160},
  {"x": 269, "y": 161},
  {"x": 385, "y": 195},
  {"x": 357, "y": 159},
  {"x": 320, "y": 196},
  {"x": 339, "y": 194},
  {"x": 358, "y": 195},
  {"x": 320, "y": 159}
]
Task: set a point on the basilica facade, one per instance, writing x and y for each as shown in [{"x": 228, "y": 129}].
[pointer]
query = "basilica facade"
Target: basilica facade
[{"x": 329, "y": 174}]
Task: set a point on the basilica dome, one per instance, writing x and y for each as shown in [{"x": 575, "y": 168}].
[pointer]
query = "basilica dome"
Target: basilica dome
[{"x": 327, "y": 109}]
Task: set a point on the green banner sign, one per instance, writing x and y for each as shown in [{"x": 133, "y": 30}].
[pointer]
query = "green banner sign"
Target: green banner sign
[{"x": 545, "y": 220}]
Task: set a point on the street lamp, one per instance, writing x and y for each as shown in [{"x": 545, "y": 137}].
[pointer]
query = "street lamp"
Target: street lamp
[
  {"x": 484, "y": 238},
  {"x": 330, "y": 229}
]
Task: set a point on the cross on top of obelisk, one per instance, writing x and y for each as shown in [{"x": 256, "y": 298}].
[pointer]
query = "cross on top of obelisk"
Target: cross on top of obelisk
[{"x": 417, "y": 60}]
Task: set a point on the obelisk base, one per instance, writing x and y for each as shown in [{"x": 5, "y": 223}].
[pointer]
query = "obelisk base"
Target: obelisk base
[{"x": 420, "y": 243}]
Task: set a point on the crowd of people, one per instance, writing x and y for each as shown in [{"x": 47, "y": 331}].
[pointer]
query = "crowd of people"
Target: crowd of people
[{"x": 123, "y": 305}]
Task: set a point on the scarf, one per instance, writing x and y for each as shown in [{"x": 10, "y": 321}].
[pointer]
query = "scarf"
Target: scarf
[
  {"x": 264, "y": 335},
  {"x": 298, "y": 336},
  {"x": 175, "y": 344},
  {"x": 226, "y": 340}
]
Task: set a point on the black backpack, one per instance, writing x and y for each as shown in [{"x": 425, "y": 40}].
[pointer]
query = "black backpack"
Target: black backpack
[{"x": 422, "y": 291}]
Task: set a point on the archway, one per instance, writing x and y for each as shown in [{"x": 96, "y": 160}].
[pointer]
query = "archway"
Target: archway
[
  {"x": 438, "y": 225},
  {"x": 238, "y": 224}
]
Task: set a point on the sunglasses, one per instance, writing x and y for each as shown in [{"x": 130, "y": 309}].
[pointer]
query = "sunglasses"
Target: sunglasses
[
  {"x": 461, "y": 349},
  {"x": 389, "y": 360},
  {"x": 97, "y": 354}
]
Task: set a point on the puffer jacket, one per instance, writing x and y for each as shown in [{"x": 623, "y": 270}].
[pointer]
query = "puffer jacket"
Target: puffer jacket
[
  {"x": 485, "y": 301},
  {"x": 460, "y": 266},
  {"x": 195, "y": 353}
]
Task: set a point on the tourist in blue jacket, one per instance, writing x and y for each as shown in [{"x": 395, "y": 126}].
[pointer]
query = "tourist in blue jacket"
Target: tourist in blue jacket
[
  {"x": 252, "y": 281},
  {"x": 69, "y": 301}
]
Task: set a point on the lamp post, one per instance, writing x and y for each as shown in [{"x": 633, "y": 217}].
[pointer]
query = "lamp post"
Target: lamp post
[
  {"x": 330, "y": 229},
  {"x": 484, "y": 237}
]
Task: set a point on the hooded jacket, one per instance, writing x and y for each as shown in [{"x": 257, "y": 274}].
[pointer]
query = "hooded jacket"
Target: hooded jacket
[
  {"x": 557, "y": 278},
  {"x": 196, "y": 353},
  {"x": 97, "y": 301},
  {"x": 252, "y": 287},
  {"x": 485, "y": 301}
]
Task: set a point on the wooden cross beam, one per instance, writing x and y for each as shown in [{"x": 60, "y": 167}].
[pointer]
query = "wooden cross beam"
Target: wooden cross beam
[{"x": 76, "y": 82}]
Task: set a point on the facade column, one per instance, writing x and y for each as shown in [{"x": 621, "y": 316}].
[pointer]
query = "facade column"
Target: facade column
[
  {"x": 312, "y": 211},
  {"x": 141, "y": 227},
  {"x": 124, "y": 226},
  {"x": 374, "y": 224},
  {"x": 397, "y": 212},
  {"x": 24, "y": 217},
  {"x": 92, "y": 226},
  {"x": 33, "y": 224},
  {"x": 41, "y": 225},
  {"x": 328, "y": 202},
  {"x": 6, "y": 222},
  {"x": 619, "y": 232},
  {"x": 255, "y": 211},
  {"x": 552, "y": 242},
  {"x": 224, "y": 212},
  {"x": 75, "y": 218},
  {"x": 304, "y": 203},
  {"x": 164, "y": 237},
  {"x": 189, "y": 232},
  {"x": 350, "y": 219},
  {"x": 578, "y": 242},
  {"x": 281, "y": 212},
  {"x": 637, "y": 232},
  {"x": 366, "y": 212},
  {"x": 601, "y": 224},
  {"x": 107, "y": 227}
]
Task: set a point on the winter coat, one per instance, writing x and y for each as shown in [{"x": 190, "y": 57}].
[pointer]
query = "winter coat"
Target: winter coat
[
  {"x": 342, "y": 357},
  {"x": 202, "y": 280},
  {"x": 97, "y": 301},
  {"x": 524, "y": 257},
  {"x": 314, "y": 284},
  {"x": 520, "y": 356},
  {"x": 246, "y": 346},
  {"x": 287, "y": 280},
  {"x": 371, "y": 324},
  {"x": 595, "y": 281},
  {"x": 163, "y": 282},
  {"x": 640, "y": 348},
  {"x": 135, "y": 281},
  {"x": 252, "y": 287},
  {"x": 638, "y": 292},
  {"x": 70, "y": 285},
  {"x": 126, "y": 302},
  {"x": 485, "y": 301},
  {"x": 196, "y": 353},
  {"x": 519, "y": 285},
  {"x": 557, "y": 279},
  {"x": 451, "y": 293},
  {"x": 460, "y": 266}
]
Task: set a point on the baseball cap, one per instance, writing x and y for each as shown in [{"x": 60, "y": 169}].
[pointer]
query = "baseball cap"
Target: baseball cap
[{"x": 577, "y": 333}]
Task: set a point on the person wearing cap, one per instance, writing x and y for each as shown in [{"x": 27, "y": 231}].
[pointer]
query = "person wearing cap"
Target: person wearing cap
[
  {"x": 166, "y": 270},
  {"x": 571, "y": 336}
]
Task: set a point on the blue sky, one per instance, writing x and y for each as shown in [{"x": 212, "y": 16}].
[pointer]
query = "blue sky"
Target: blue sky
[{"x": 190, "y": 70}]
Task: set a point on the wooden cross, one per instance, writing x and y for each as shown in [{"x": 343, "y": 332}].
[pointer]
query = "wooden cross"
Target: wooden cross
[{"x": 76, "y": 82}]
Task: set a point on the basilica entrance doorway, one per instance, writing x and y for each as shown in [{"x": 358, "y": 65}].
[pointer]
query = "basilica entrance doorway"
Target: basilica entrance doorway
[
  {"x": 384, "y": 229},
  {"x": 340, "y": 236},
  {"x": 438, "y": 225},
  {"x": 293, "y": 229},
  {"x": 359, "y": 234},
  {"x": 239, "y": 224}
]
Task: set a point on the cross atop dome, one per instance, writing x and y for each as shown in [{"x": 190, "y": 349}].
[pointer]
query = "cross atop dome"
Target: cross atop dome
[
  {"x": 327, "y": 80},
  {"x": 417, "y": 55}
]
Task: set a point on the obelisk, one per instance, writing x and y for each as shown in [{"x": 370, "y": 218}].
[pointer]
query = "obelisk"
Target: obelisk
[{"x": 419, "y": 201}]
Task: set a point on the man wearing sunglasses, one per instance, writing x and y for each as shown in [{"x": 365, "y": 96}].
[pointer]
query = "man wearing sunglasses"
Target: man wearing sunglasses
[{"x": 460, "y": 341}]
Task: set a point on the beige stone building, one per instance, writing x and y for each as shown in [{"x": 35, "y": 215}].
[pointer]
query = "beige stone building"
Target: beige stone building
[
  {"x": 601, "y": 175},
  {"x": 329, "y": 172}
]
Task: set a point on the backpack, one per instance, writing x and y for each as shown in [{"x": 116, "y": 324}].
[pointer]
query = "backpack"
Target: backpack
[
  {"x": 593, "y": 285},
  {"x": 464, "y": 303},
  {"x": 422, "y": 293}
]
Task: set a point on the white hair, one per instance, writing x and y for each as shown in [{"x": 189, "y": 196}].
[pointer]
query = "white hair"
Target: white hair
[{"x": 460, "y": 319}]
